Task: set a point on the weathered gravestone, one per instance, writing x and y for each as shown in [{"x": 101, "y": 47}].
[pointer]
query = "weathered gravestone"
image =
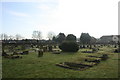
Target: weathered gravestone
[
  {"x": 40, "y": 53},
  {"x": 55, "y": 46},
  {"x": 45, "y": 49},
  {"x": 25, "y": 52},
  {"x": 50, "y": 48}
]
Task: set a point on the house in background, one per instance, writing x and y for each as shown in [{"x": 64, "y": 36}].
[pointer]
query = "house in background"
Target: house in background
[{"x": 109, "y": 39}]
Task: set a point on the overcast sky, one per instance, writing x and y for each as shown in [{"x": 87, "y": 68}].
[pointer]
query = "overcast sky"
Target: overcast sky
[{"x": 96, "y": 17}]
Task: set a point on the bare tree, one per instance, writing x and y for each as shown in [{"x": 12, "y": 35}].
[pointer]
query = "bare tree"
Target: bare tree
[
  {"x": 50, "y": 35},
  {"x": 11, "y": 37},
  {"x": 37, "y": 35},
  {"x": 18, "y": 36},
  {"x": 3, "y": 36}
]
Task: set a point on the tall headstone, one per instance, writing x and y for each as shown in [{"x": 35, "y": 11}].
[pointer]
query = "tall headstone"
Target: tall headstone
[
  {"x": 40, "y": 53},
  {"x": 50, "y": 48}
]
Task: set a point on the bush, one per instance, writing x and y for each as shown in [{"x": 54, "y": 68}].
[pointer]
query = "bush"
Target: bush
[{"x": 69, "y": 46}]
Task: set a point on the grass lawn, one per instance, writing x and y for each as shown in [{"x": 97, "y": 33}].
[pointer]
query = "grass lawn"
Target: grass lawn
[{"x": 31, "y": 66}]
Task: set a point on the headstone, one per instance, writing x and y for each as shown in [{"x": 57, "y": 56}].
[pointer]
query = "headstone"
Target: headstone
[
  {"x": 115, "y": 46},
  {"x": 50, "y": 48},
  {"x": 54, "y": 46},
  {"x": 44, "y": 49},
  {"x": 25, "y": 52}
]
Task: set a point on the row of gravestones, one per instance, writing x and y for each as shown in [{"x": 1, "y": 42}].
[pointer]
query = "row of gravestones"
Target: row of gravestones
[
  {"x": 100, "y": 46},
  {"x": 45, "y": 48},
  {"x": 16, "y": 55},
  {"x": 90, "y": 46},
  {"x": 40, "y": 51},
  {"x": 14, "y": 49},
  {"x": 94, "y": 50},
  {"x": 12, "y": 56}
]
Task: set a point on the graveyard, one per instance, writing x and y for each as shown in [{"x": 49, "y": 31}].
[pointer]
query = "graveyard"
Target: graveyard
[
  {"x": 61, "y": 39},
  {"x": 49, "y": 61}
]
